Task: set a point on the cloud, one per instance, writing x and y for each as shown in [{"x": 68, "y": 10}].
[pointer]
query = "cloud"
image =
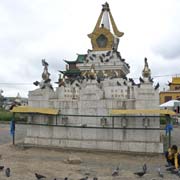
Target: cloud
[
  {"x": 169, "y": 48},
  {"x": 167, "y": 43},
  {"x": 32, "y": 30}
]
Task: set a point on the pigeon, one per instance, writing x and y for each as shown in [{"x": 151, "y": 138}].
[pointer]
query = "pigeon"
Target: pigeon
[
  {"x": 108, "y": 53},
  {"x": 95, "y": 178},
  {"x": 141, "y": 80},
  {"x": 144, "y": 167},
  {"x": 115, "y": 172},
  {"x": 132, "y": 81},
  {"x": 84, "y": 125},
  {"x": 59, "y": 179},
  {"x": 36, "y": 83},
  {"x": 118, "y": 83},
  {"x": 94, "y": 55},
  {"x": 39, "y": 176},
  {"x": 101, "y": 59},
  {"x": 98, "y": 80},
  {"x": 107, "y": 60},
  {"x": 7, "y": 172},
  {"x": 84, "y": 178},
  {"x": 44, "y": 63},
  {"x": 139, "y": 85},
  {"x": 157, "y": 86},
  {"x": 103, "y": 55},
  {"x": 91, "y": 58},
  {"x": 118, "y": 54},
  {"x": 170, "y": 168},
  {"x": 77, "y": 85},
  {"x": 151, "y": 79},
  {"x": 140, "y": 174},
  {"x": 125, "y": 83},
  {"x": 1, "y": 168},
  {"x": 160, "y": 173}
]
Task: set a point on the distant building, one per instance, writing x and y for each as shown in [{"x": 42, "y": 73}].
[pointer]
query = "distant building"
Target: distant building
[
  {"x": 172, "y": 93},
  {"x": 9, "y": 102}
]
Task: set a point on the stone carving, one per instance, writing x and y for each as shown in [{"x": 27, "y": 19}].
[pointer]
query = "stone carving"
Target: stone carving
[
  {"x": 46, "y": 81},
  {"x": 61, "y": 81},
  {"x": 92, "y": 73},
  {"x": 146, "y": 71}
]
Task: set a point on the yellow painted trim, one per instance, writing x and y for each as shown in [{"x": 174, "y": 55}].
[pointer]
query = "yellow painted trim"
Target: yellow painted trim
[
  {"x": 106, "y": 33},
  {"x": 28, "y": 109},
  {"x": 141, "y": 111},
  {"x": 115, "y": 29}
]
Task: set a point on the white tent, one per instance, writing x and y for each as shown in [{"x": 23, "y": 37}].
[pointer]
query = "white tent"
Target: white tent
[{"x": 170, "y": 103}]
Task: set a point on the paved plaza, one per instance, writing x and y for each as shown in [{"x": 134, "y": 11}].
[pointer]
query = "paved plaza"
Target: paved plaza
[{"x": 24, "y": 162}]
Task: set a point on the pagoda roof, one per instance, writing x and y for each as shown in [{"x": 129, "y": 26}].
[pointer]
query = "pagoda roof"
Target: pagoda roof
[
  {"x": 81, "y": 58},
  {"x": 71, "y": 71},
  {"x": 70, "y": 62}
]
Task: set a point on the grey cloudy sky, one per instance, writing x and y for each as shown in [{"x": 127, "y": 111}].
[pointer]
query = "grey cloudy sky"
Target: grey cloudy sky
[{"x": 57, "y": 29}]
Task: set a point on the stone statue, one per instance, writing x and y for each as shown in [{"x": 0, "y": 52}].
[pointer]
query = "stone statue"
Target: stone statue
[
  {"x": 45, "y": 82},
  {"x": 92, "y": 73},
  {"x": 45, "y": 74},
  {"x": 146, "y": 71}
]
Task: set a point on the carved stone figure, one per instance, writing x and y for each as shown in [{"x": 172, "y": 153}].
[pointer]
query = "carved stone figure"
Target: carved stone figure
[
  {"x": 45, "y": 82},
  {"x": 146, "y": 71}
]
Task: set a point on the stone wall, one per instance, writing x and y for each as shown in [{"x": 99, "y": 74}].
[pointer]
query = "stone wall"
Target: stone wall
[{"x": 96, "y": 130}]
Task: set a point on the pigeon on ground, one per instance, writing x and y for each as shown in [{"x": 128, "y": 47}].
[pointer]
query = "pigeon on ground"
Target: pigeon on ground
[
  {"x": 39, "y": 176},
  {"x": 61, "y": 178},
  {"x": 95, "y": 178},
  {"x": 7, "y": 172},
  {"x": 160, "y": 173},
  {"x": 1, "y": 168},
  {"x": 84, "y": 178},
  {"x": 144, "y": 168},
  {"x": 170, "y": 168},
  {"x": 115, "y": 172},
  {"x": 141, "y": 173}
]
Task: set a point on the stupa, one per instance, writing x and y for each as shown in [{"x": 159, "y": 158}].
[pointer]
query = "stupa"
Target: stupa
[{"x": 90, "y": 88}]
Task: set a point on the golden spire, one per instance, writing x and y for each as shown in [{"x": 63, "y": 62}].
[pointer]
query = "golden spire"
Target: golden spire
[{"x": 101, "y": 37}]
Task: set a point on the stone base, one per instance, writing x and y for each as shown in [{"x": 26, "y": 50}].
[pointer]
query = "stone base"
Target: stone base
[{"x": 141, "y": 147}]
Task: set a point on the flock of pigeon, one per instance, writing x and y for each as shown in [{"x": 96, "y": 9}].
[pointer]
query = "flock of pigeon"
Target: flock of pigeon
[
  {"x": 114, "y": 173},
  {"x": 144, "y": 171},
  {"x": 39, "y": 177}
]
